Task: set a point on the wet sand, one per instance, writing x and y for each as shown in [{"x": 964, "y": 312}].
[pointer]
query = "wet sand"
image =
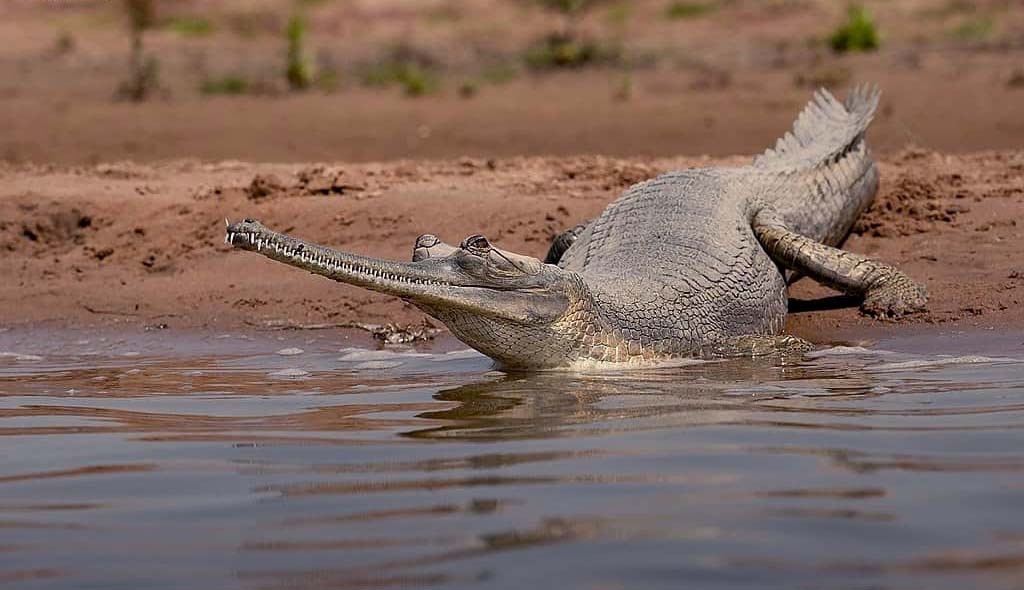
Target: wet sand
[{"x": 142, "y": 245}]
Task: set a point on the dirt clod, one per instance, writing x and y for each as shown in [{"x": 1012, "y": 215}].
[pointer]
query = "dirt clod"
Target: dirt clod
[
  {"x": 263, "y": 186},
  {"x": 392, "y": 333},
  {"x": 907, "y": 206},
  {"x": 319, "y": 180}
]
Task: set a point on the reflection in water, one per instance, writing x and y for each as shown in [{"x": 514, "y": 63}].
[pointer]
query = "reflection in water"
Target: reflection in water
[
  {"x": 549, "y": 404},
  {"x": 851, "y": 468}
]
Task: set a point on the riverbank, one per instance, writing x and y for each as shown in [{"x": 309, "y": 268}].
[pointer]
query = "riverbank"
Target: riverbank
[{"x": 142, "y": 245}]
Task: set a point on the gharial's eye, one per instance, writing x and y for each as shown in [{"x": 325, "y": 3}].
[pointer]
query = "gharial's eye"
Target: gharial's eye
[{"x": 476, "y": 245}]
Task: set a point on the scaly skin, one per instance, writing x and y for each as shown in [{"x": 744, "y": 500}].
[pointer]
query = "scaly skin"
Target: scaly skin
[
  {"x": 687, "y": 264},
  {"x": 887, "y": 292}
]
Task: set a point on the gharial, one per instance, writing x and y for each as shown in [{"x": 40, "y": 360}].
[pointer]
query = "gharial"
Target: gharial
[{"x": 691, "y": 263}]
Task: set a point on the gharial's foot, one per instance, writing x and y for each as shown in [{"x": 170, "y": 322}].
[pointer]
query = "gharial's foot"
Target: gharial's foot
[
  {"x": 888, "y": 293},
  {"x": 894, "y": 298}
]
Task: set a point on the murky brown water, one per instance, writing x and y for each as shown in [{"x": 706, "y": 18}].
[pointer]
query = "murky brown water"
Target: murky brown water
[{"x": 162, "y": 460}]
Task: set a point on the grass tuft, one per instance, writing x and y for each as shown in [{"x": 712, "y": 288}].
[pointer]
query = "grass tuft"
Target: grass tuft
[
  {"x": 144, "y": 75},
  {"x": 681, "y": 9},
  {"x": 299, "y": 70},
  {"x": 499, "y": 73},
  {"x": 565, "y": 51},
  {"x": 568, "y": 7},
  {"x": 64, "y": 44},
  {"x": 413, "y": 71},
  {"x": 977, "y": 28},
  {"x": 144, "y": 81},
  {"x": 190, "y": 26},
  {"x": 468, "y": 89},
  {"x": 619, "y": 14},
  {"x": 228, "y": 85},
  {"x": 858, "y": 33}
]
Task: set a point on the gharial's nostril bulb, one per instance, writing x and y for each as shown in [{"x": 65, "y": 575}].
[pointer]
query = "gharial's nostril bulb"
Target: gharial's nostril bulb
[{"x": 427, "y": 241}]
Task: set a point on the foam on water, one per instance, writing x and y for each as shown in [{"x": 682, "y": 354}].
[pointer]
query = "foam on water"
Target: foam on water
[
  {"x": 846, "y": 350},
  {"x": 452, "y": 355},
  {"x": 292, "y": 373},
  {"x": 378, "y": 365},
  {"x": 362, "y": 354},
  {"x": 941, "y": 360},
  {"x": 17, "y": 356},
  {"x": 595, "y": 366}
]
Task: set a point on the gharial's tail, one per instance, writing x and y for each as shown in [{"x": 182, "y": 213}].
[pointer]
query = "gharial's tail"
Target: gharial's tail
[{"x": 825, "y": 130}]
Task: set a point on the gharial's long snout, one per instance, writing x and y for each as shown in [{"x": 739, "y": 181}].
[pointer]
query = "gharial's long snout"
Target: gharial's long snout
[
  {"x": 440, "y": 277},
  {"x": 416, "y": 279}
]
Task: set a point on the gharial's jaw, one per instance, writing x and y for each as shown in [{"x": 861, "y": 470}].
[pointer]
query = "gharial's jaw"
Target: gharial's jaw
[{"x": 431, "y": 283}]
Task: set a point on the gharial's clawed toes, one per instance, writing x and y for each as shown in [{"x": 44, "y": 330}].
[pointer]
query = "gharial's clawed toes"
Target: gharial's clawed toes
[{"x": 894, "y": 299}]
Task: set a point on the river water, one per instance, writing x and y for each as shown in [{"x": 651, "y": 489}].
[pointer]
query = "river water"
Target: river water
[{"x": 310, "y": 460}]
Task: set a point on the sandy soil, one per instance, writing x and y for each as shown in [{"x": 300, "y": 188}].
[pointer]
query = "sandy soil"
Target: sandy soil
[
  {"x": 142, "y": 245},
  {"x": 87, "y": 239}
]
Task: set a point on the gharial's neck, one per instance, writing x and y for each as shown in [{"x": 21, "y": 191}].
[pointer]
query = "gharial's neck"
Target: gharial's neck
[
  {"x": 595, "y": 335},
  {"x": 583, "y": 333}
]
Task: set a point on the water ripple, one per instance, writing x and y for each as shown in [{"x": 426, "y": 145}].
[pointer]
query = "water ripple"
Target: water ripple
[{"x": 239, "y": 462}]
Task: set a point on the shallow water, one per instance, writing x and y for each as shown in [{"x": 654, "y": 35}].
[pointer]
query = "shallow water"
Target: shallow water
[{"x": 168, "y": 460}]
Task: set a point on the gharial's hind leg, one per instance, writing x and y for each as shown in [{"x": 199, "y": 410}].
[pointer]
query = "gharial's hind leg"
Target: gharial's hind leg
[
  {"x": 562, "y": 242},
  {"x": 888, "y": 293}
]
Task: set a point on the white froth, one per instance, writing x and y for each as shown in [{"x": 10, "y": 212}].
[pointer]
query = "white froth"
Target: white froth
[
  {"x": 290, "y": 373},
  {"x": 17, "y": 356}
]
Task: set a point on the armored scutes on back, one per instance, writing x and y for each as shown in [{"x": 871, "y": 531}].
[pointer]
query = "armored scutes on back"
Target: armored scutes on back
[{"x": 691, "y": 263}]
